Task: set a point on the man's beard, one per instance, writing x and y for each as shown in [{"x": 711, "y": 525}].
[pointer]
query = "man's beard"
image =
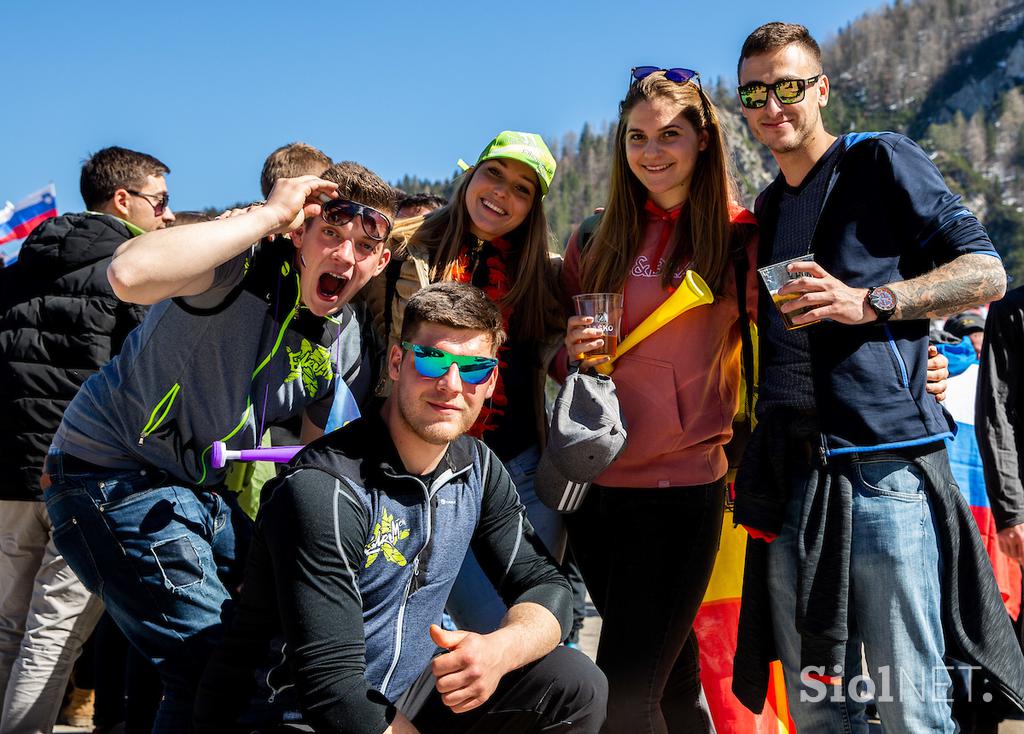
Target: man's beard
[
  {"x": 796, "y": 142},
  {"x": 434, "y": 433}
]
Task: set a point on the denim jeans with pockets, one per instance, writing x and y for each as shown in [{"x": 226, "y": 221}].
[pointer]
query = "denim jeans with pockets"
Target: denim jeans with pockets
[
  {"x": 895, "y": 612},
  {"x": 152, "y": 551}
]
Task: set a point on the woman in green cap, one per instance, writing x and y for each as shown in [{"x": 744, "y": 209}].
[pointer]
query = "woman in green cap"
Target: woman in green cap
[{"x": 494, "y": 235}]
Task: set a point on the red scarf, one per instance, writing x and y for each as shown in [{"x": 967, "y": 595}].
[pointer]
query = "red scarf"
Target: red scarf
[{"x": 497, "y": 287}]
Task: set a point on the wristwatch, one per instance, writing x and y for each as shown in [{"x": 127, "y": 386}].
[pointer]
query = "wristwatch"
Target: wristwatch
[{"x": 882, "y": 301}]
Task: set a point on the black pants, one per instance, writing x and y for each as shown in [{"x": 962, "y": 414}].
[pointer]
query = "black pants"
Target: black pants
[
  {"x": 647, "y": 557},
  {"x": 561, "y": 692}
]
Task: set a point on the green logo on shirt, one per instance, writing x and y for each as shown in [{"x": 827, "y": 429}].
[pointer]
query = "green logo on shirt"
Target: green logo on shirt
[
  {"x": 386, "y": 535},
  {"x": 310, "y": 363}
]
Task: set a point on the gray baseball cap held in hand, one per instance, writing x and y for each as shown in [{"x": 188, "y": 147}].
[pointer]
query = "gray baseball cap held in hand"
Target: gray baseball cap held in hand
[{"x": 587, "y": 434}]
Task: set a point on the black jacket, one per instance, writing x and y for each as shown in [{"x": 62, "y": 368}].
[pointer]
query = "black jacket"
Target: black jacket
[
  {"x": 976, "y": 627},
  {"x": 59, "y": 322},
  {"x": 352, "y": 560},
  {"x": 999, "y": 409}
]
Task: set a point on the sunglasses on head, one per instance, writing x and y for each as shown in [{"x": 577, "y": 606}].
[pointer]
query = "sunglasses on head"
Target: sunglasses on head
[
  {"x": 434, "y": 362},
  {"x": 339, "y": 212},
  {"x": 754, "y": 95},
  {"x": 677, "y": 75}
]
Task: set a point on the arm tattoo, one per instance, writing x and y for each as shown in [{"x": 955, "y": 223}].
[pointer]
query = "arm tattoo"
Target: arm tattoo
[{"x": 968, "y": 281}]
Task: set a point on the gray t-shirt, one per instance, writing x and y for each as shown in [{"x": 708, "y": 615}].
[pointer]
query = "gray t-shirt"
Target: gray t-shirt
[{"x": 220, "y": 366}]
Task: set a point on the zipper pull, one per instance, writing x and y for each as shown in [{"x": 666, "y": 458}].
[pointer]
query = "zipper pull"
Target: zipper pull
[
  {"x": 823, "y": 450},
  {"x": 142, "y": 437}
]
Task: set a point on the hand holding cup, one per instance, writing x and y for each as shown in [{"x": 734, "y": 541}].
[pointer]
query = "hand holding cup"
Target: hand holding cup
[{"x": 594, "y": 330}]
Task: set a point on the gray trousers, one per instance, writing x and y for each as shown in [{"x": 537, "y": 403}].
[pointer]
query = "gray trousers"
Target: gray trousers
[{"x": 46, "y": 614}]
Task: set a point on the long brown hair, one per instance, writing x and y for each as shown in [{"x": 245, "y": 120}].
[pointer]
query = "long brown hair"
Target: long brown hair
[
  {"x": 702, "y": 230},
  {"x": 533, "y": 296}
]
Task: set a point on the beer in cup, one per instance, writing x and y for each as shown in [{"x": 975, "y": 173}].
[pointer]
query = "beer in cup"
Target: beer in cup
[
  {"x": 775, "y": 276},
  {"x": 606, "y": 308}
]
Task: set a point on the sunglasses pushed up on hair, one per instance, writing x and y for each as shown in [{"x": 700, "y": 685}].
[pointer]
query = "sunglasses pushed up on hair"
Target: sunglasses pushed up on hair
[
  {"x": 339, "y": 212},
  {"x": 677, "y": 74},
  {"x": 754, "y": 95},
  {"x": 433, "y": 362}
]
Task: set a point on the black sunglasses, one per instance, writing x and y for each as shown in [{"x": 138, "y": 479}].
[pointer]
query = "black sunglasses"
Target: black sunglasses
[
  {"x": 678, "y": 75},
  {"x": 339, "y": 212},
  {"x": 162, "y": 200},
  {"x": 754, "y": 95}
]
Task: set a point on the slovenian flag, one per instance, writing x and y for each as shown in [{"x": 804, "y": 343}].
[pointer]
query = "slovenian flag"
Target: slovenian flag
[
  {"x": 965, "y": 461},
  {"x": 18, "y": 220}
]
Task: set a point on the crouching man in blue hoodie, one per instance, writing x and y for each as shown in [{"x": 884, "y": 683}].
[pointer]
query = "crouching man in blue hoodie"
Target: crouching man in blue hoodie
[{"x": 357, "y": 547}]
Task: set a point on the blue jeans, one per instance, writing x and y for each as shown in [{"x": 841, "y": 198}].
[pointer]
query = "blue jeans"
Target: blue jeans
[
  {"x": 474, "y": 604},
  {"x": 152, "y": 552},
  {"x": 895, "y": 608}
]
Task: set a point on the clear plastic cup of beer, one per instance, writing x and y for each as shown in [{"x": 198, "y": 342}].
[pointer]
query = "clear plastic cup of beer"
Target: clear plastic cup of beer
[
  {"x": 606, "y": 309},
  {"x": 777, "y": 275}
]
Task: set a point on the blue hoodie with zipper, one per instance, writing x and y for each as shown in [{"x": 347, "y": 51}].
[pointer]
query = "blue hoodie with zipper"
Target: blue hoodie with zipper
[{"x": 887, "y": 216}]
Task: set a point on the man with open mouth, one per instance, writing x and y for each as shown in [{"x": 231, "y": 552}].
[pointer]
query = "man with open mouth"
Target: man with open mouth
[{"x": 240, "y": 336}]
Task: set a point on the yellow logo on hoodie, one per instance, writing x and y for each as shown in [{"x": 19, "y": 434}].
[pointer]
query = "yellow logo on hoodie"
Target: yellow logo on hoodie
[{"x": 386, "y": 535}]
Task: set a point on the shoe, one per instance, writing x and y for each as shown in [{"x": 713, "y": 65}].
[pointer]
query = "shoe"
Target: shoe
[{"x": 79, "y": 708}]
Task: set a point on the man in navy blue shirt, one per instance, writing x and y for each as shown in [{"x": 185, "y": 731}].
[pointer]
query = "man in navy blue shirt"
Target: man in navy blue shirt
[{"x": 847, "y": 474}]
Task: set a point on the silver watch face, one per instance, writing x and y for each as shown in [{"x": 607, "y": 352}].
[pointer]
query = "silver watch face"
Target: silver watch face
[{"x": 883, "y": 299}]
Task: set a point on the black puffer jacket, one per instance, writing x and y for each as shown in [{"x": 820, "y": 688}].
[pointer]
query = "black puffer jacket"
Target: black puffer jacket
[{"x": 59, "y": 322}]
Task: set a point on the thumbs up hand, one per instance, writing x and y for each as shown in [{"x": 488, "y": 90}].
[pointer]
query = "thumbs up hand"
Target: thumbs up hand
[{"x": 469, "y": 672}]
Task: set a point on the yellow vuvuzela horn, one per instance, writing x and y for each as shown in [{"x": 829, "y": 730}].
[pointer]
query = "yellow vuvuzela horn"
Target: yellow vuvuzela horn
[{"x": 692, "y": 292}]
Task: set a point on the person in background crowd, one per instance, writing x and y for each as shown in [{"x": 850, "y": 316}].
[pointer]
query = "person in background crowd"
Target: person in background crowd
[
  {"x": 978, "y": 707},
  {"x": 971, "y": 325},
  {"x": 846, "y": 473},
  {"x": 653, "y": 519},
  {"x": 240, "y": 336},
  {"x": 393, "y": 501},
  {"x": 419, "y": 205},
  {"x": 59, "y": 322},
  {"x": 1000, "y": 412},
  {"x": 183, "y": 218},
  {"x": 291, "y": 161},
  {"x": 493, "y": 234}
]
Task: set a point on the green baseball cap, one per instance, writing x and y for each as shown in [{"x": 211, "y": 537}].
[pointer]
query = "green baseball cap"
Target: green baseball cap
[{"x": 528, "y": 148}]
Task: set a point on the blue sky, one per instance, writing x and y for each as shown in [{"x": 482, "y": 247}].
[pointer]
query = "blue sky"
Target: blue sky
[{"x": 403, "y": 87}]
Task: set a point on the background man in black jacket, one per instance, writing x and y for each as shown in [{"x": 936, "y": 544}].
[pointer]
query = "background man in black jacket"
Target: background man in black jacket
[
  {"x": 999, "y": 419},
  {"x": 59, "y": 322}
]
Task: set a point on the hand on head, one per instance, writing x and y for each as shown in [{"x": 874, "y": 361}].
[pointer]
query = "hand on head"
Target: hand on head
[{"x": 293, "y": 200}]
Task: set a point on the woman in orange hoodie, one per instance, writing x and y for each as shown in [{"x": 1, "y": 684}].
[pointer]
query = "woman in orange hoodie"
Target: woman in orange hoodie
[{"x": 648, "y": 531}]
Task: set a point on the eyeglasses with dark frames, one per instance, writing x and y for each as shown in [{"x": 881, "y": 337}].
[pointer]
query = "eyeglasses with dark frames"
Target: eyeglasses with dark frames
[
  {"x": 754, "y": 95},
  {"x": 162, "y": 200}
]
